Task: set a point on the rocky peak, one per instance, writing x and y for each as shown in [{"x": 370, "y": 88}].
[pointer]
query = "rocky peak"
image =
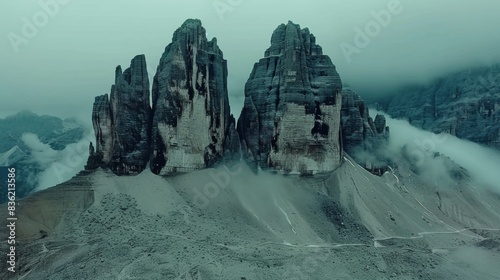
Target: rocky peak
[
  {"x": 121, "y": 123},
  {"x": 361, "y": 136},
  {"x": 232, "y": 146},
  {"x": 290, "y": 120},
  {"x": 190, "y": 103},
  {"x": 290, "y": 36},
  {"x": 381, "y": 124}
]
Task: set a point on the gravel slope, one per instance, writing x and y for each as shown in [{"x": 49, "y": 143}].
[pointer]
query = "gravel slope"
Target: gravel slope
[{"x": 345, "y": 225}]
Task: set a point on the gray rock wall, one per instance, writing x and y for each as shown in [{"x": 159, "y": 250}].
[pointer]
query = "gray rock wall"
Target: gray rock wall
[
  {"x": 122, "y": 121},
  {"x": 290, "y": 120},
  {"x": 190, "y": 103}
]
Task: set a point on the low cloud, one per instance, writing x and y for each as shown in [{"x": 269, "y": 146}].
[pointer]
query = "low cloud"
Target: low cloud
[
  {"x": 436, "y": 156},
  {"x": 56, "y": 166}
]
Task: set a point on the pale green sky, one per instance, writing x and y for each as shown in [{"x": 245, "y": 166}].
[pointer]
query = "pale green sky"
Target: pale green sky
[{"x": 60, "y": 67}]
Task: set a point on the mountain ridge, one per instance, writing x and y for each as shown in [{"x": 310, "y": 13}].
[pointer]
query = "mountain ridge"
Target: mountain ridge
[
  {"x": 465, "y": 104},
  {"x": 290, "y": 122}
]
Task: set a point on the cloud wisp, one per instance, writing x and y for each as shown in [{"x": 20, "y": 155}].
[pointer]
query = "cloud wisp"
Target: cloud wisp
[
  {"x": 57, "y": 166},
  {"x": 422, "y": 147}
]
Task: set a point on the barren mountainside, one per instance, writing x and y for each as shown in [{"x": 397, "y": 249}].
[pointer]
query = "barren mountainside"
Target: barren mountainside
[{"x": 465, "y": 104}]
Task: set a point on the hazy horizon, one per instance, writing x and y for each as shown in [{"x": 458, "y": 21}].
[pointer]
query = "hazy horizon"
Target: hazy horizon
[{"x": 71, "y": 54}]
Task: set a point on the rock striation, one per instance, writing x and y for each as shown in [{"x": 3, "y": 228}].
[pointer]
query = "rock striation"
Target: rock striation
[
  {"x": 361, "y": 135},
  {"x": 295, "y": 117},
  {"x": 189, "y": 123},
  {"x": 122, "y": 122},
  {"x": 465, "y": 104},
  {"x": 290, "y": 120},
  {"x": 190, "y": 103}
]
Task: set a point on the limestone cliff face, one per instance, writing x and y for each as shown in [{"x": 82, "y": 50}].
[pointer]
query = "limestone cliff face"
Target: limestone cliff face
[
  {"x": 291, "y": 116},
  {"x": 294, "y": 120},
  {"x": 103, "y": 128},
  {"x": 122, "y": 121},
  {"x": 190, "y": 103}
]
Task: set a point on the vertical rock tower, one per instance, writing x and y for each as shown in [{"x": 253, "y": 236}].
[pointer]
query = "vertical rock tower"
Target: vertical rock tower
[
  {"x": 190, "y": 103},
  {"x": 122, "y": 122},
  {"x": 362, "y": 136},
  {"x": 290, "y": 121}
]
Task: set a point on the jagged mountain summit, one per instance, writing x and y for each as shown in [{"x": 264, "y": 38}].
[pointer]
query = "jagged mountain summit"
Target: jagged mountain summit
[
  {"x": 122, "y": 121},
  {"x": 186, "y": 127},
  {"x": 290, "y": 121},
  {"x": 190, "y": 103}
]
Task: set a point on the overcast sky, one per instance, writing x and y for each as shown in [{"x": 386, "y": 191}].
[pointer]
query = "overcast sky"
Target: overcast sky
[{"x": 60, "y": 66}]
